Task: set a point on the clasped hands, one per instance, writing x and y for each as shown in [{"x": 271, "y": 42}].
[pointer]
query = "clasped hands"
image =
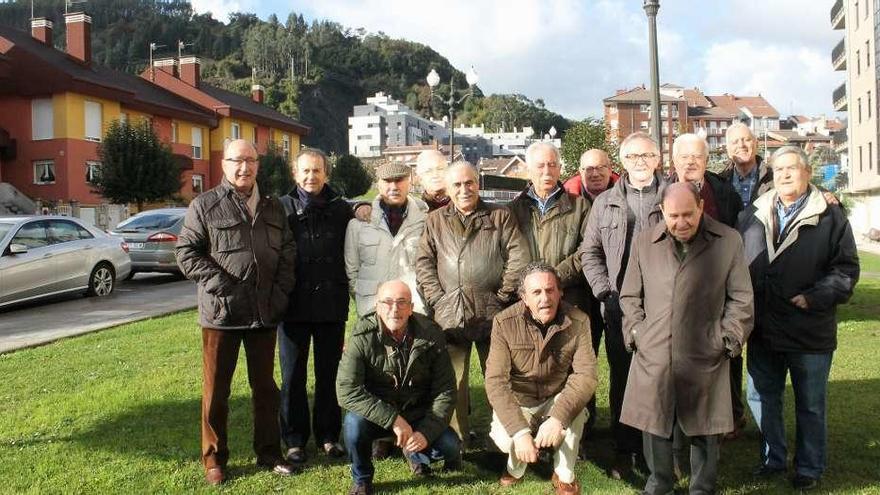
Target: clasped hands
[
  {"x": 407, "y": 439},
  {"x": 550, "y": 435}
]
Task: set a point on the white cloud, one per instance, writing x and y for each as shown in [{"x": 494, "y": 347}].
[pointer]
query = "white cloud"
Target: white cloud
[
  {"x": 793, "y": 79},
  {"x": 220, "y": 9}
]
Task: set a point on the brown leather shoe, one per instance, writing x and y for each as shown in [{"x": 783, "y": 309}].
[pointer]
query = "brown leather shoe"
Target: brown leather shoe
[
  {"x": 215, "y": 476},
  {"x": 277, "y": 466},
  {"x": 573, "y": 488},
  {"x": 508, "y": 479}
]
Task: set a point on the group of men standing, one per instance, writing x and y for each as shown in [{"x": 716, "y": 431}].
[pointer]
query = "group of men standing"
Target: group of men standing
[{"x": 652, "y": 262}]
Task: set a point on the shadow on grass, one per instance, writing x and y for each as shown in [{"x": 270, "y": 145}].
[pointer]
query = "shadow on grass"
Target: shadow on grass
[{"x": 863, "y": 304}]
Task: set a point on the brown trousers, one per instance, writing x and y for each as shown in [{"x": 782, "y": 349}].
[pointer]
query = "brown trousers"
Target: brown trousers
[{"x": 219, "y": 357}]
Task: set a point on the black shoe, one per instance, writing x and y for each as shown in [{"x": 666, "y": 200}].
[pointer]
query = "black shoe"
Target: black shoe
[
  {"x": 296, "y": 455},
  {"x": 278, "y": 466},
  {"x": 333, "y": 449},
  {"x": 623, "y": 466},
  {"x": 420, "y": 470},
  {"x": 804, "y": 483},
  {"x": 382, "y": 449},
  {"x": 361, "y": 489},
  {"x": 765, "y": 471}
]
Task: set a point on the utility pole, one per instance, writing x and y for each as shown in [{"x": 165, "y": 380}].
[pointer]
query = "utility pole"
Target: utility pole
[{"x": 651, "y": 8}]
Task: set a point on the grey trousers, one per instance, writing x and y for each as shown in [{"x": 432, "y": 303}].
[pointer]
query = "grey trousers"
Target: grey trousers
[{"x": 704, "y": 452}]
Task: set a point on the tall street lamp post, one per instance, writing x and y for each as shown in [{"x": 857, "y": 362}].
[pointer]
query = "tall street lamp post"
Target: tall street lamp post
[
  {"x": 433, "y": 80},
  {"x": 651, "y": 8}
]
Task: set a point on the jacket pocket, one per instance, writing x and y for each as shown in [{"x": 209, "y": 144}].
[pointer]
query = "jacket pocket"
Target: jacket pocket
[
  {"x": 368, "y": 246},
  {"x": 228, "y": 234},
  {"x": 522, "y": 357},
  {"x": 274, "y": 231}
]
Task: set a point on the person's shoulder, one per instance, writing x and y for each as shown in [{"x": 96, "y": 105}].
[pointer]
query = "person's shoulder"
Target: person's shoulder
[
  {"x": 365, "y": 326},
  {"x": 511, "y": 312},
  {"x": 573, "y": 313},
  {"x": 427, "y": 327}
]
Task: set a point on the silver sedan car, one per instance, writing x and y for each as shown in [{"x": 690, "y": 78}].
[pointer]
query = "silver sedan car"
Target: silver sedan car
[
  {"x": 151, "y": 237},
  {"x": 50, "y": 255}
]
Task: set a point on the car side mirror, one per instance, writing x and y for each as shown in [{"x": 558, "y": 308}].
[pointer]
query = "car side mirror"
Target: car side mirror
[{"x": 18, "y": 249}]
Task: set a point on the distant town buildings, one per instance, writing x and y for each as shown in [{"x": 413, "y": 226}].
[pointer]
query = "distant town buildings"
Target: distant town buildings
[
  {"x": 686, "y": 110},
  {"x": 855, "y": 55}
]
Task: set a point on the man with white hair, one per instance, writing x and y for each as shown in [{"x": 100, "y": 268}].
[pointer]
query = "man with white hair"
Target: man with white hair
[
  {"x": 470, "y": 255},
  {"x": 632, "y": 205},
  {"x": 746, "y": 170}
]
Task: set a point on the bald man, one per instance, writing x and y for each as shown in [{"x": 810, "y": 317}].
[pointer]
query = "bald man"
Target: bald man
[
  {"x": 687, "y": 310},
  {"x": 237, "y": 246},
  {"x": 412, "y": 402},
  {"x": 470, "y": 255},
  {"x": 594, "y": 175}
]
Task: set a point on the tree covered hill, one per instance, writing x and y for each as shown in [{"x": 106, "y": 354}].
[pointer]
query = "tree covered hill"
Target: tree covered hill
[{"x": 312, "y": 71}]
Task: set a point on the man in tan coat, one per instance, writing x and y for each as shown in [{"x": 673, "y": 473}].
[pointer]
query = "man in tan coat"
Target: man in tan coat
[
  {"x": 687, "y": 309},
  {"x": 540, "y": 374},
  {"x": 470, "y": 255}
]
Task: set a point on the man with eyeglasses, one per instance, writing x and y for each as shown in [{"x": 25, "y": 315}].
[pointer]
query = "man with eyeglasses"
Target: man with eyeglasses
[
  {"x": 469, "y": 256},
  {"x": 632, "y": 205},
  {"x": 238, "y": 248},
  {"x": 318, "y": 309},
  {"x": 594, "y": 175},
  {"x": 396, "y": 379}
]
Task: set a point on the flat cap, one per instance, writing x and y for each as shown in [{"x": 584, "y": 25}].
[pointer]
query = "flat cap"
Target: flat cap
[{"x": 392, "y": 170}]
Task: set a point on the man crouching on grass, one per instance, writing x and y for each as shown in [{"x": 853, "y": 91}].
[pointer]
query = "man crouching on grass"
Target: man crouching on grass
[
  {"x": 540, "y": 373},
  {"x": 395, "y": 377}
]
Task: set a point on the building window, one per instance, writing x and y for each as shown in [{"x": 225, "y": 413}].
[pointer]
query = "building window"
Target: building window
[
  {"x": 285, "y": 145},
  {"x": 123, "y": 117},
  {"x": 42, "y": 119},
  {"x": 93, "y": 121},
  {"x": 869, "y": 104},
  {"x": 92, "y": 171},
  {"x": 857, "y": 13},
  {"x": 861, "y": 165},
  {"x": 198, "y": 183},
  {"x": 868, "y": 54},
  {"x": 644, "y": 108},
  {"x": 44, "y": 172},
  {"x": 859, "y": 100},
  {"x": 197, "y": 143},
  {"x": 236, "y": 130},
  {"x": 173, "y": 132},
  {"x": 858, "y": 63},
  {"x": 870, "y": 155},
  {"x": 643, "y": 125}
]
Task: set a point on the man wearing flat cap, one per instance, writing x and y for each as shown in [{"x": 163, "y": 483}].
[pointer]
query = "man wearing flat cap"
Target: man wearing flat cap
[{"x": 385, "y": 248}]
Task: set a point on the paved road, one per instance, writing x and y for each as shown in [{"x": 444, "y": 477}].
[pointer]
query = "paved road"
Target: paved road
[{"x": 145, "y": 296}]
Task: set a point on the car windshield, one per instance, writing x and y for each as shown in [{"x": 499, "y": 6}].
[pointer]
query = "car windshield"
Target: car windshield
[
  {"x": 154, "y": 221},
  {"x": 4, "y": 228}
]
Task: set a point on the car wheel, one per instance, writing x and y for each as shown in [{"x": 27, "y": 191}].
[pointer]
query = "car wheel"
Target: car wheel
[{"x": 102, "y": 280}]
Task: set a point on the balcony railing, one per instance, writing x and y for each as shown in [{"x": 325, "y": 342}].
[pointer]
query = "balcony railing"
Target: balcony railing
[
  {"x": 838, "y": 98},
  {"x": 838, "y": 15},
  {"x": 838, "y": 56}
]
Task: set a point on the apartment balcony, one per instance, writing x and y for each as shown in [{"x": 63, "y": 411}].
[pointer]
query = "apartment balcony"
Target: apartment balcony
[
  {"x": 838, "y": 15},
  {"x": 838, "y": 56},
  {"x": 838, "y": 98}
]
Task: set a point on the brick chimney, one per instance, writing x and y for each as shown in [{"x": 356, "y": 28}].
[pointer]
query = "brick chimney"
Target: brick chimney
[
  {"x": 190, "y": 71},
  {"x": 79, "y": 36},
  {"x": 257, "y": 93},
  {"x": 166, "y": 65},
  {"x": 41, "y": 29}
]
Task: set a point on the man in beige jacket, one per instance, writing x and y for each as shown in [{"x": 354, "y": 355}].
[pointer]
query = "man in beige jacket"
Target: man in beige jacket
[{"x": 540, "y": 374}]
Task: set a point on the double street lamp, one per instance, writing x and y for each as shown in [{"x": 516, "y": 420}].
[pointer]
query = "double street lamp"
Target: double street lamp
[{"x": 434, "y": 80}]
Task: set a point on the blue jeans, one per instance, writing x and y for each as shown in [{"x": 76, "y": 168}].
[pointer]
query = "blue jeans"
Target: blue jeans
[
  {"x": 766, "y": 385},
  {"x": 360, "y": 432}
]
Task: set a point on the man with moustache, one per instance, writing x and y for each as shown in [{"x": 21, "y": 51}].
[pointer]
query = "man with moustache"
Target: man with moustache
[
  {"x": 318, "y": 309},
  {"x": 631, "y": 206},
  {"x": 469, "y": 256},
  {"x": 678, "y": 384},
  {"x": 431, "y": 174},
  {"x": 237, "y": 246}
]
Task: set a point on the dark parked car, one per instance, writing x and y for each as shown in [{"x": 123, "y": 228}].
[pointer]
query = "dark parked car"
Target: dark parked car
[
  {"x": 50, "y": 255},
  {"x": 151, "y": 236}
]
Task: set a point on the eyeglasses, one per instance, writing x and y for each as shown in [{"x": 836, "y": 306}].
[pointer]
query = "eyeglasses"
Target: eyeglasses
[
  {"x": 633, "y": 157},
  {"x": 594, "y": 170},
  {"x": 390, "y": 303},
  {"x": 239, "y": 161}
]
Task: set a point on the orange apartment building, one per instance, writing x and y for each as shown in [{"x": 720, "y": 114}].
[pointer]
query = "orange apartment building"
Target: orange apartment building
[{"x": 55, "y": 108}]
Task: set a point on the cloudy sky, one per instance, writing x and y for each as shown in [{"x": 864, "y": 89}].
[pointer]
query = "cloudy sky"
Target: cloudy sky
[{"x": 574, "y": 53}]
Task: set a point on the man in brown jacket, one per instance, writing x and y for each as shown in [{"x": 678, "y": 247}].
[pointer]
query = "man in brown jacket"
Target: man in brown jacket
[
  {"x": 237, "y": 246},
  {"x": 687, "y": 310},
  {"x": 540, "y": 374},
  {"x": 469, "y": 257}
]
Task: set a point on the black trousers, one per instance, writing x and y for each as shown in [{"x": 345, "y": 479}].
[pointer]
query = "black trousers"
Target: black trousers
[
  {"x": 736, "y": 387},
  {"x": 293, "y": 349},
  {"x": 627, "y": 439},
  {"x": 704, "y": 451}
]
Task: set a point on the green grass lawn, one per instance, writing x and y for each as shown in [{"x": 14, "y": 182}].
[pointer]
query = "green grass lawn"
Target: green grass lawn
[{"x": 118, "y": 411}]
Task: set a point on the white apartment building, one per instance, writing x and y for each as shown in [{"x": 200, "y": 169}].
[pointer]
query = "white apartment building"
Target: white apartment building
[{"x": 384, "y": 121}]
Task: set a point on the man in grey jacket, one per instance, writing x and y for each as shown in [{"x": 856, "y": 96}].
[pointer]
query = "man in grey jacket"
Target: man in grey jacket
[{"x": 236, "y": 245}]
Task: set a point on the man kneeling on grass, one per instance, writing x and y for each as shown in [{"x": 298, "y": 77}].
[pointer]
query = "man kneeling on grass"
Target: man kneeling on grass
[
  {"x": 395, "y": 377},
  {"x": 540, "y": 373}
]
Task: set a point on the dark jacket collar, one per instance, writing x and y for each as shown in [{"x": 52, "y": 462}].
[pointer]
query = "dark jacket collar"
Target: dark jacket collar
[{"x": 617, "y": 193}]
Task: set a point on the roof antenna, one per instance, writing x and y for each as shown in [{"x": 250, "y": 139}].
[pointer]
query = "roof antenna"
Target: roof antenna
[
  {"x": 70, "y": 3},
  {"x": 180, "y": 46}
]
